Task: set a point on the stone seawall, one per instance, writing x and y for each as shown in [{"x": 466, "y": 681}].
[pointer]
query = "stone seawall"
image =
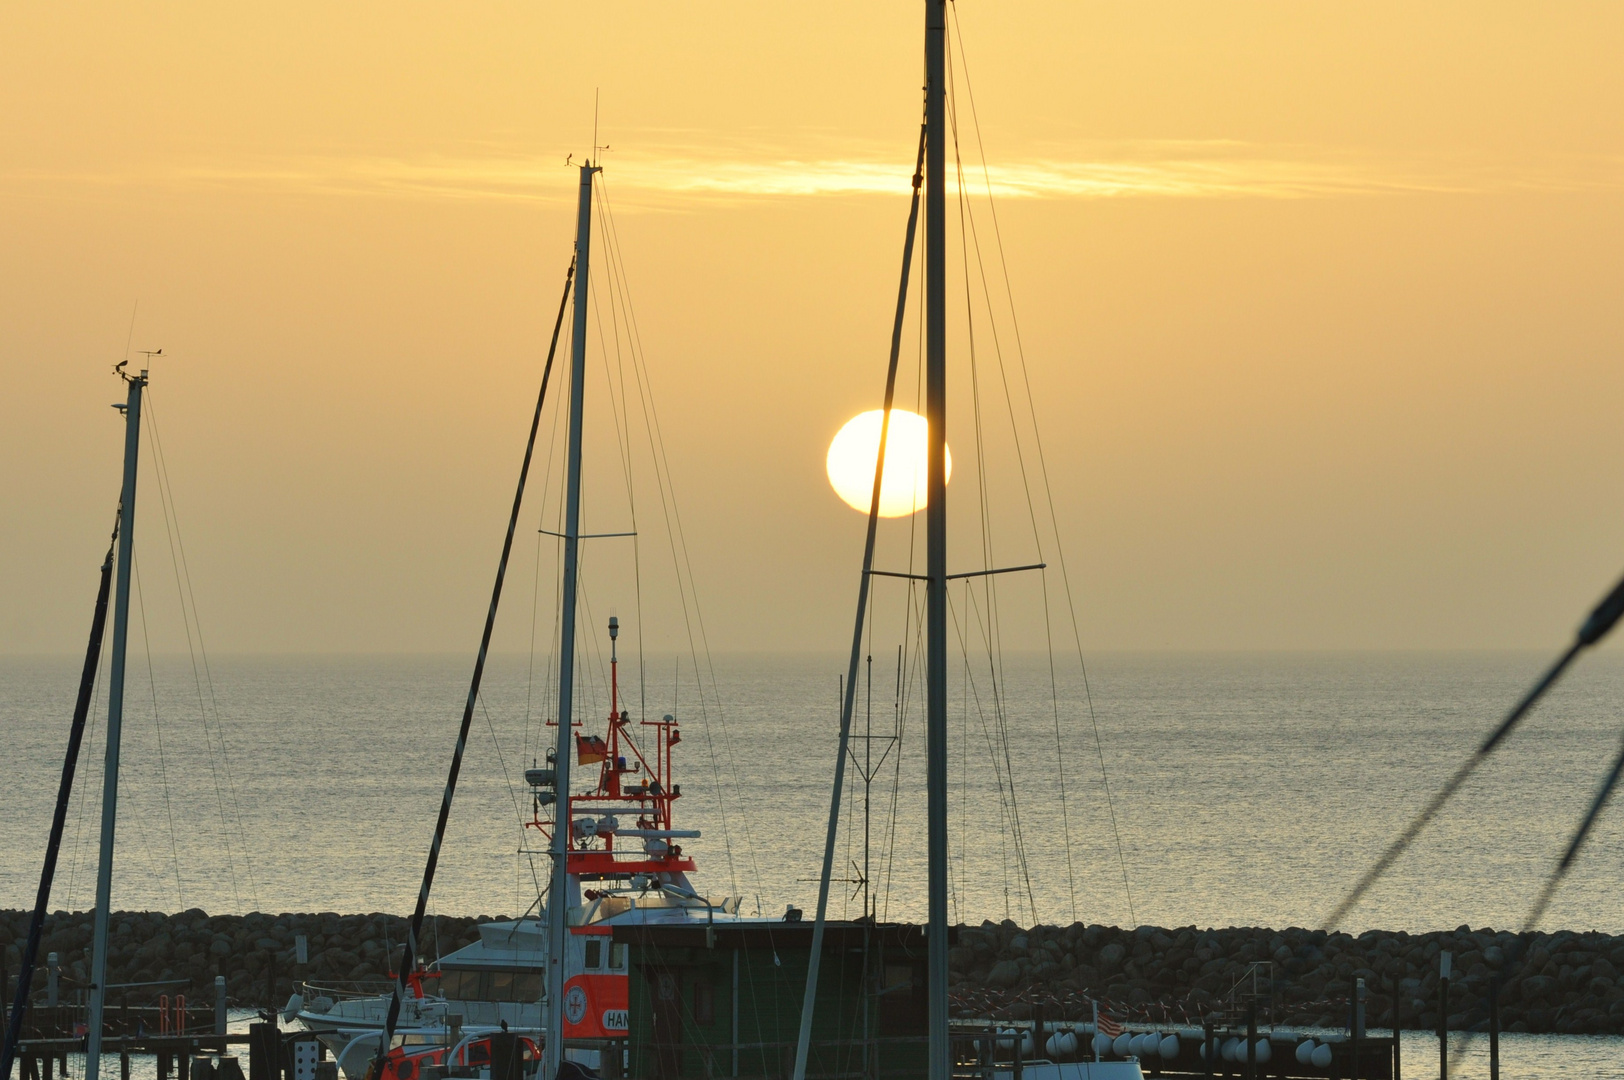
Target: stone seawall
[
  {"x": 1564, "y": 981},
  {"x": 344, "y": 951}
]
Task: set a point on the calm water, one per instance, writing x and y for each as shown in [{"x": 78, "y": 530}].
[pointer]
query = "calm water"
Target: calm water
[{"x": 1248, "y": 789}]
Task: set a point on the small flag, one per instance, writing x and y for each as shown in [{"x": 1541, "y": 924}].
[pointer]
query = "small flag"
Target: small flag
[
  {"x": 1108, "y": 1027},
  {"x": 590, "y": 749}
]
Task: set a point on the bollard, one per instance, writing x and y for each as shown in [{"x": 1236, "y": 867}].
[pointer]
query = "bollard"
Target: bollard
[
  {"x": 1444, "y": 959},
  {"x": 52, "y": 967},
  {"x": 220, "y": 1005}
]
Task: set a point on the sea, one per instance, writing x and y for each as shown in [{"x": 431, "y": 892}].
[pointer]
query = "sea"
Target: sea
[{"x": 1213, "y": 789}]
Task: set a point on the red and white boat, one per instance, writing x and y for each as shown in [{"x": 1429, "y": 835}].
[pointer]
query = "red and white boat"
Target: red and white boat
[{"x": 626, "y": 865}]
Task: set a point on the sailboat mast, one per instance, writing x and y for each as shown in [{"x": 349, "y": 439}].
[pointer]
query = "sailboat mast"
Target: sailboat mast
[
  {"x": 558, "y": 895},
  {"x": 115, "y": 724},
  {"x": 940, "y": 1065}
]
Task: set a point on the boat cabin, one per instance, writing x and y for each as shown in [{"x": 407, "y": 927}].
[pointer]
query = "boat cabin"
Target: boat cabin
[{"x": 725, "y": 1000}]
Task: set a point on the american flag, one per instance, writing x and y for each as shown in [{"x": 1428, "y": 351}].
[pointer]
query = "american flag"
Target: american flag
[{"x": 1108, "y": 1027}]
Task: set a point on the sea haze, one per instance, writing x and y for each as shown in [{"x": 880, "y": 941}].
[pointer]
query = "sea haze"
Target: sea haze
[{"x": 1247, "y": 789}]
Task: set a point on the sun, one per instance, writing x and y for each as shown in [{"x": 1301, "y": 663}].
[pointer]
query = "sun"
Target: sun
[{"x": 855, "y": 448}]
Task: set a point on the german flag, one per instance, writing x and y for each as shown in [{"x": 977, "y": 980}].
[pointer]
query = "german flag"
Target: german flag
[{"x": 590, "y": 749}]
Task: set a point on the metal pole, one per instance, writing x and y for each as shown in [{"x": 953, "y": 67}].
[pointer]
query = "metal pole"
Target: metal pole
[
  {"x": 940, "y": 1063},
  {"x": 558, "y": 895},
  {"x": 53, "y": 847},
  {"x": 115, "y": 724}
]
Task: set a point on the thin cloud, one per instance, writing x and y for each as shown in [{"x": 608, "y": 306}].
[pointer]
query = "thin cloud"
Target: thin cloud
[{"x": 669, "y": 176}]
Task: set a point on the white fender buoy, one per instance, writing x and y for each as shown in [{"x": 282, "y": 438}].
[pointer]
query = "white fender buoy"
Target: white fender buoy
[
  {"x": 1228, "y": 1051},
  {"x": 1066, "y": 1044},
  {"x": 1121, "y": 1046},
  {"x": 1028, "y": 1044},
  {"x": 295, "y": 1004},
  {"x": 1051, "y": 1045},
  {"x": 1209, "y": 1047},
  {"x": 1169, "y": 1048},
  {"x": 1263, "y": 1051},
  {"x": 1006, "y": 1039},
  {"x": 1321, "y": 1057},
  {"x": 1102, "y": 1041},
  {"x": 1305, "y": 1049}
]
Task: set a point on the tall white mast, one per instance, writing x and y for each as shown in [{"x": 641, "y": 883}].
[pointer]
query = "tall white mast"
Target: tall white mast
[
  {"x": 558, "y": 900},
  {"x": 115, "y": 724},
  {"x": 940, "y": 1063}
]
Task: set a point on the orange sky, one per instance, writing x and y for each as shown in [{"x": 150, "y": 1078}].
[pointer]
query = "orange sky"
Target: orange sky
[{"x": 1321, "y": 303}]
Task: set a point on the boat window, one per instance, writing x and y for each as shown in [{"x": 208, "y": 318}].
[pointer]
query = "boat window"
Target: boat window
[
  {"x": 617, "y": 958},
  {"x": 461, "y": 986},
  {"x": 527, "y": 987},
  {"x": 594, "y": 954},
  {"x": 702, "y": 1003},
  {"x": 501, "y": 986}
]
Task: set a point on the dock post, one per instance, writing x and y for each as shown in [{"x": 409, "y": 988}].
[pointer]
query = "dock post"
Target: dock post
[
  {"x": 1494, "y": 1028},
  {"x": 123, "y": 1062},
  {"x": 1251, "y": 1040},
  {"x": 1207, "y": 1048},
  {"x": 50, "y": 1065},
  {"x": 53, "y": 967},
  {"x": 183, "y": 1063},
  {"x": 263, "y": 1043},
  {"x": 1398, "y": 1027},
  {"x": 1358, "y": 1024},
  {"x": 219, "y": 1004},
  {"x": 1444, "y": 959},
  {"x": 164, "y": 1064}
]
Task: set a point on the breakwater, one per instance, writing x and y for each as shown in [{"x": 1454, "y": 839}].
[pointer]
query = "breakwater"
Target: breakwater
[
  {"x": 1559, "y": 982},
  {"x": 257, "y": 953}
]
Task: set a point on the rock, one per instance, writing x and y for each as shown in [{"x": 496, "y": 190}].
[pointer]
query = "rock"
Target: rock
[
  {"x": 1537, "y": 987},
  {"x": 1005, "y": 973},
  {"x": 1110, "y": 958}
]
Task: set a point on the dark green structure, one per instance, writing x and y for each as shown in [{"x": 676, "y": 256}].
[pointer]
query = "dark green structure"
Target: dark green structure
[{"x": 725, "y": 1001}]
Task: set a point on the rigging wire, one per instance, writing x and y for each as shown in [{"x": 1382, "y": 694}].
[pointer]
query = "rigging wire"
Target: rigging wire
[
  {"x": 518, "y": 814},
  {"x": 163, "y": 768},
  {"x": 693, "y": 620},
  {"x": 1043, "y": 469},
  {"x": 83, "y": 796},
  {"x": 189, "y": 620},
  {"x": 991, "y": 627}
]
